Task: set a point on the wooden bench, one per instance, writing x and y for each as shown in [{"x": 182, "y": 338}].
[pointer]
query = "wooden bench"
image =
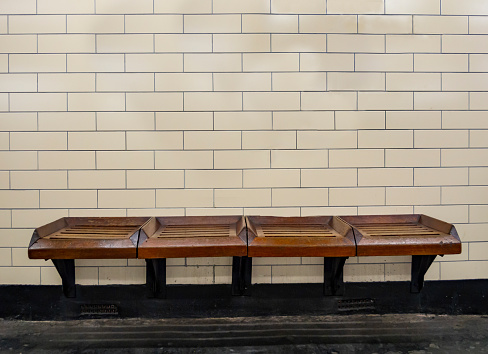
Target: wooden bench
[{"x": 331, "y": 237}]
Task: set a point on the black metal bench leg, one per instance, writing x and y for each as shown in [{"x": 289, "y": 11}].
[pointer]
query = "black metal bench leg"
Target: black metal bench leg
[
  {"x": 66, "y": 269},
  {"x": 156, "y": 277},
  {"x": 334, "y": 275},
  {"x": 241, "y": 275},
  {"x": 420, "y": 265}
]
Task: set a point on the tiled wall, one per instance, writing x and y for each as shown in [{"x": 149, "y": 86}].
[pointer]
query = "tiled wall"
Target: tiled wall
[{"x": 279, "y": 107}]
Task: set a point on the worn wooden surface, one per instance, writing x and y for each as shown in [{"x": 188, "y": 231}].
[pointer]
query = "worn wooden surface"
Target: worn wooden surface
[
  {"x": 87, "y": 238},
  {"x": 395, "y": 235},
  {"x": 317, "y": 236},
  {"x": 193, "y": 236}
]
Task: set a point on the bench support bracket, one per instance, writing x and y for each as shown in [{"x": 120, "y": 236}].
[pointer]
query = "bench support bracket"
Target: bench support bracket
[
  {"x": 420, "y": 265},
  {"x": 241, "y": 275},
  {"x": 156, "y": 277},
  {"x": 66, "y": 269},
  {"x": 334, "y": 275}
]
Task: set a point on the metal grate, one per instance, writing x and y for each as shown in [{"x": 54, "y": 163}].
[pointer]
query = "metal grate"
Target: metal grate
[
  {"x": 100, "y": 309},
  {"x": 94, "y": 232},
  {"x": 190, "y": 231},
  {"x": 310, "y": 230},
  {"x": 392, "y": 229},
  {"x": 355, "y": 304}
]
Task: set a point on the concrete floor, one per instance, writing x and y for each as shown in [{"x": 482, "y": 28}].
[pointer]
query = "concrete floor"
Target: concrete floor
[{"x": 405, "y": 333}]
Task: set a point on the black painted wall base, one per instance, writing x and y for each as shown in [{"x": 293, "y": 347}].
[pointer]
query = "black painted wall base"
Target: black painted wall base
[{"x": 439, "y": 297}]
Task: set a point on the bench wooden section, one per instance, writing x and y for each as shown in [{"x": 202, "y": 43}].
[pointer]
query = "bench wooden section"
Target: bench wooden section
[
  {"x": 420, "y": 236},
  {"x": 191, "y": 236},
  {"x": 318, "y": 236},
  {"x": 67, "y": 239}
]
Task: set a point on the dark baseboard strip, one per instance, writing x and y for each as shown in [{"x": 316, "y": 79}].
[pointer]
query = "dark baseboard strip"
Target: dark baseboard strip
[{"x": 213, "y": 301}]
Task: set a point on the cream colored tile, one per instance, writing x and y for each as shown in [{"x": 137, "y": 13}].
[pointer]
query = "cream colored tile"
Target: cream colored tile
[
  {"x": 384, "y": 62},
  {"x": 10, "y": 7},
  {"x": 441, "y": 176},
  {"x": 68, "y": 199},
  {"x": 380, "y": 24},
  {"x": 413, "y": 43},
  {"x": 213, "y": 179},
  {"x": 477, "y": 62},
  {"x": 66, "y": 82},
  {"x": 154, "y": 140},
  {"x": 269, "y": 23},
  {"x": 65, "y": 7},
  {"x": 326, "y": 139},
  {"x": 212, "y": 23},
  {"x": 182, "y": 6},
  {"x": 5, "y": 141},
  {"x": 413, "y": 195},
  {"x": 357, "y": 158},
  {"x": 63, "y": 160},
  {"x": 184, "y": 82},
  {"x": 355, "y": 7},
  {"x": 37, "y": 102},
  {"x": 464, "y": 195},
  {"x": 154, "y": 62},
  {"x": 464, "y": 82},
  {"x": 38, "y": 141},
  {"x": 19, "y": 199},
  {"x": 96, "y": 141},
  {"x": 95, "y": 23},
  {"x": 212, "y": 140},
  {"x": 184, "y": 159},
  {"x": 125, "y": 82},
  {"x": 124, "y": 43},
  {"x": 478, "y": 100},
  {"x": 243, "y": 197},
  {"x": 154, "y": 24},
  {"x": 99, "y": 212},
  {"x": 154, "y": 101},
  {"x": 125, "y": 121},
  {"x": 3, "y": 25},
  {"x": 4, "y": 59},
  {"x": 441, "y": 138},
  {"x": 20, "y": 275},
  {"x": 354, "y": 43},
  {"x": 440, "y": 24},
  {"x": 347, "y": 120},
  {"x": 123, "y": 6},
  {"x": 95, "y": 62},
  {"x": 67, "y": 43},
  {"x": 278, "y": 101},
  {"x": 355, "y": 81},
  {"x": 121, "y": 160},
  {"x": 35, "y": 217},
  {"x": 66, "y": 121},
  {"x": 212, "y": 62},
  {"x": 413, "y": 120},
  {"x": 414, "y": 7},
  {"x": 15, "y": 237},
  {"x": 453, "y": 213},
  {"x": 121, "y": 275},
  {"x": 242, "y": 121},
  {"x": 326, "y": 62},
  {"x": 242, "y": 81},
  {"x": 13, "y": 44},
  {"x": 184, "y": 121},
  {"x": 4, "y": 102},
  {"x": 18, "y": 82},
  {"x": 478, "y": 213},
  {"x": 478, "y": 25},
  {"x": 299, "y": 159},
  {"x": 298, "y": 81},
  {"x": 268, "y": 140},
  {"x": 328, "y": 24},
  {"x": 271, "y": 178},
  {"x": 464, "y": 44},
  {"x": 242, "y": 159},
  {"x": 270, "y": 62},
  {"x": 298, "y": 120},
  {"x": 241, "y": 42},
  {"x": 298, "y": 43},
  {"x": 292, "y": 7},
  {"x": 160, "y": 212},
  {"x": 478, "y": 138},
  {"x": 440, "y": 100},
  {"x": 126, "y": 199},
  {"x": 297, "y": 274},
  {"x": 413, "y": 81},
  {"x": 186, "y": 43},
  {"x": 186, "y": 198},
  {"x": 441, "y": 62},
  {"x": 213, "y": 101},
  {"x": 299, "y": 196},
  {"x": 412, "y": 158},
  {"x": 463, "y": 270},
  {"x": 385, "y": 139},
  {"x": 469, "y": 7},
  {"x": 36, "y": 24},
  {"x": 234, "y": 6},
  {"x": 464, "y": 120},
  {"x": 385, "y": 101},
  {"x": 477, "y": 175},
  {"x": 464, "y": 157},
  {"x": 96, "y": 101},
  {"x": 329, "y": 178},
  {"x": 6, "y": 218},
  {"x": 364, "y": 272},
  {"x": 190, "y": 275},
  {"x": 329, "y": 101},
  {"x": 5, "y": 180},
  {"x": 96, "y": 179},
  {"x": 378, "y": 177},
  {"x": 17, "y": 257},
  {"x": 356, "y": 196}
]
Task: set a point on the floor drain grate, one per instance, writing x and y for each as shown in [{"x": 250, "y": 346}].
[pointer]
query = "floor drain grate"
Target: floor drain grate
[
  {"x": 99, "y": 309},
  {"x": 355, "y": 304}
]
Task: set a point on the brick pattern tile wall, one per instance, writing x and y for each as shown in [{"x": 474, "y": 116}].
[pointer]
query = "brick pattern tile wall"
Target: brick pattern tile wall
[{"x": 278, "y": 107}]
